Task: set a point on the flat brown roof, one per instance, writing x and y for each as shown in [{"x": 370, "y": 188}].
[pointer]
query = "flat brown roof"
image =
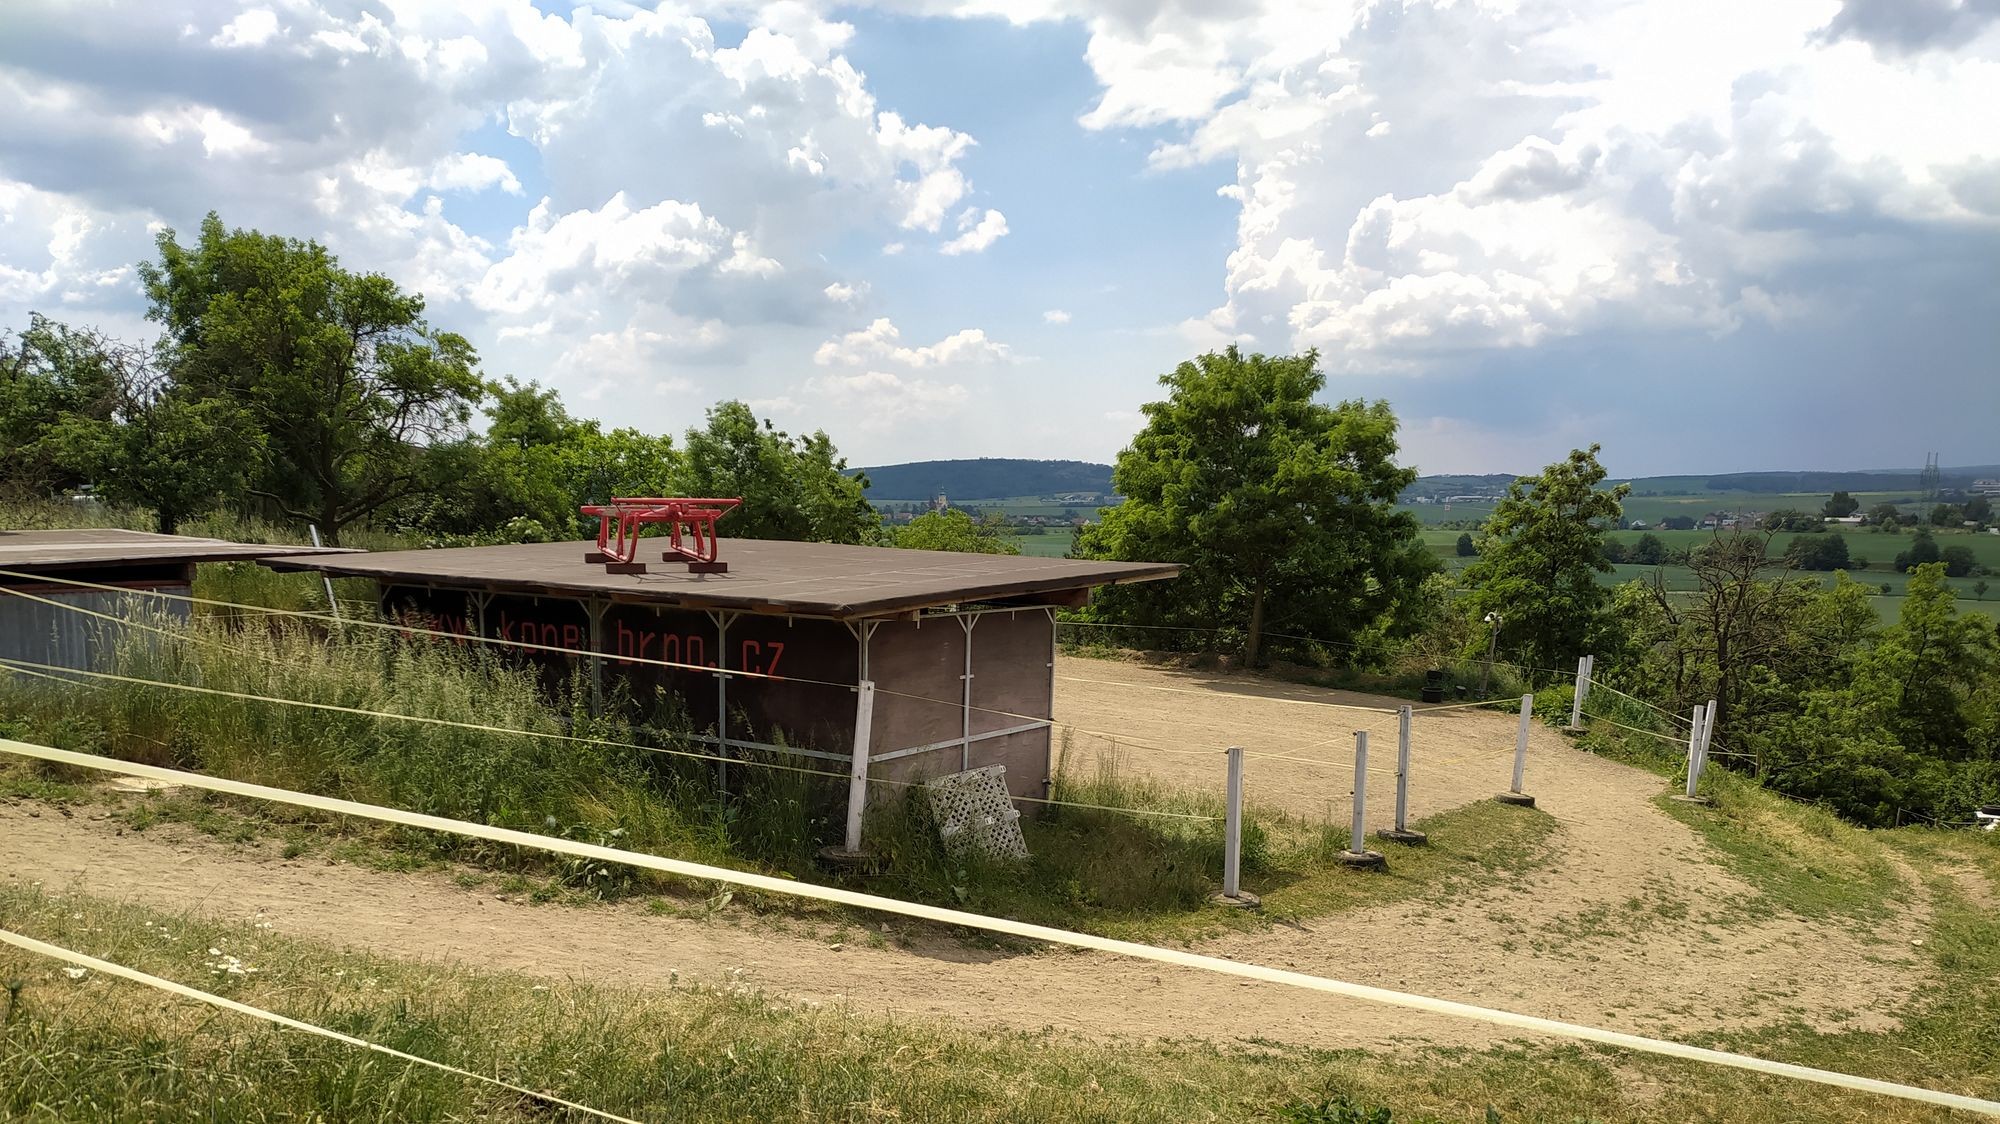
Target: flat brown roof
[
  {"x": 39, "y": 551},
  {"x": 765, "y": 575}
]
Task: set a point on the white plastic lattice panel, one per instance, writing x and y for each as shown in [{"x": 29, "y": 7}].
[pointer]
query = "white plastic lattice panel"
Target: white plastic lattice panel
[{"x": 974, "y": 811}]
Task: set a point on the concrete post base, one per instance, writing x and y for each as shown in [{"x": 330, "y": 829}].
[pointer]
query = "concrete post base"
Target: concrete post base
[
  {"x": 1519, "y": 799},
  {"x": 1685, "y": 799},
  {"x": 1404, "y": 836},
  {"x": 1243, "y": 900},
  {"x": 1363, "y": 860}
]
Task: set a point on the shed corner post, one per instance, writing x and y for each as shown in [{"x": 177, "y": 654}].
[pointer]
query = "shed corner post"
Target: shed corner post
[
  {"x": 721, "y": 673},
  {"x": 857, "y": 776},
  {"x": 1049, "y": 749},
  {"x": 596, "y": 608},
  {"x": 966, "y": 621}
]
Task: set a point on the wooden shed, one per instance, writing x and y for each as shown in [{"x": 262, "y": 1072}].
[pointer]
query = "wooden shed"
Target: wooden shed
[
  {"x": 960, "y": 647},
  {"x": 46, "y": 617}
]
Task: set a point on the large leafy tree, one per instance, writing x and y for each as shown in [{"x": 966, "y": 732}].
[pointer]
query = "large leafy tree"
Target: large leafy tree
[
  {"x": 78, "y": 406},
  {"x": 791, "y": 487},
  {"x": 1280, "y": 508},
  {"x": 351, "y": 389},
  {"x": 51, "y": 374},
  {"x": 535, "y": 466},
  {"x": 1539, "y": 556},
  {"x": 955, "y": 530}
]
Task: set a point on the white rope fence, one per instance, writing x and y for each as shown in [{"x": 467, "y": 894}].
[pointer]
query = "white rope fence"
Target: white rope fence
[{"x": 701, "y": 872}]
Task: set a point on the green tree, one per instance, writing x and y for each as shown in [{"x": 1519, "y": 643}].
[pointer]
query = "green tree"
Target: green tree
[
  {"x": 350, "y": 388},
  {"x": 1979, "y": 589},
  {"x": 1465, "y": 547},
  {"x": 1946, "y": 515},
  {"x": 1818, "y": 552},
  {"x": 954, "y": 530},
  {"x": 1280, "y": 509},
  {"x": 1979, "y": 509},
  {"x": 1650, "y": 550},
  {"x": 1959, "y": 561},
  {"x": 791, "y": 487},
  {"x": 1539, "y": 556},
  {"x": 52, "y": 375},
  {"x": 1840, "y": 506},
  {"x": 1923, "y": 551},
  {"x": 1887, "y": 516}
]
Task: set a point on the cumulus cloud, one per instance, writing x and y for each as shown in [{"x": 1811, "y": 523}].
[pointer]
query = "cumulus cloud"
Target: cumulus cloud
[
  {"x": 1909, "y": 26},
  {"x": 977, "y": 235},
  {"x": 1055, "y": 316},
  {"x": 1551, "y": 172},
  {"x": 252, "y": 28},
  {"x": 472, "y": 171},
  {"x": 882, "y": 341},
  {"x": 689, "y": 174}
]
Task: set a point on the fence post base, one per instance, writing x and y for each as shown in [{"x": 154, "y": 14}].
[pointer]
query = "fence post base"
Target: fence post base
[
  {"x": 1704, "y": 801},
  {"x": 1363, "y": 860},
  {"x": 837, "y": 857},
  {"x": 1244, "y": 899},
  {"x": 1403, "y": 835},
  {"x": 1519, "y": 799}
]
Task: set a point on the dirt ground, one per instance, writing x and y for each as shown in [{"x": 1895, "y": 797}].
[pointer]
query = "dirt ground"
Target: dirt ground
[{"x": 1632, "y": 926}]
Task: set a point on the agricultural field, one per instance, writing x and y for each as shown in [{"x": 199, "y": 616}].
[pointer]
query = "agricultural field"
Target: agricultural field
[{"x": 1878, "y": 549}]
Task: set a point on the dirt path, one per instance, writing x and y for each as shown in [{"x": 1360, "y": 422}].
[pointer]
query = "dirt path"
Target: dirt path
[{"x": 1627, "y": 929}]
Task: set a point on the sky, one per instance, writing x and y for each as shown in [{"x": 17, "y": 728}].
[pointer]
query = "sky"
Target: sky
[{"x": 1711, "y": 236}]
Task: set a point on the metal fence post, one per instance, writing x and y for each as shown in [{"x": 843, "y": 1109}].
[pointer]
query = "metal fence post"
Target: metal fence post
[{"x": 1514, "y": 795}]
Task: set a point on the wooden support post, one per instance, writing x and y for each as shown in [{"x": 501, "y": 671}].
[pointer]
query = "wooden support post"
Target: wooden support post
[
  {"x": 966, "y": 621},
  {"x": 1401, "y": 833},
  {"x": 1232, "y": 827},
  {"x": 1708, "y": 731},
  {"x": 1514, "y": 795},
  {"x": 857, "y": 775},
  {"x": 1357, "y": 853},
  {"x": 1576, "y": 699},
  {"x": 1232, "y": 839},
  {"x": 1700, "y": 719}
]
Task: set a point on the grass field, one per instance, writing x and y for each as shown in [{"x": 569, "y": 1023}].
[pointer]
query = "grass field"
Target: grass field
[{"x": 77, "y": 1045}]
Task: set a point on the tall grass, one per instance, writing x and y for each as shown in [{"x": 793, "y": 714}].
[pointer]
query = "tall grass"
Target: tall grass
[{"x": 539, "y": 779}]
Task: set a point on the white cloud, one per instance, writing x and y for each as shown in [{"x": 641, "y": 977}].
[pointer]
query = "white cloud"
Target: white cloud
[
  {"x": 990, "y": 228},
  {"x": 687, "y": 190},
  {"x": 252, "y": 28},
  {"x": 881, "y": 341},
  {"x": 616, "y": 246},
  {"x": 1552, "y": 171},
  {"x": 471, "y": 171},
  {"x": 1055, "y": 316}
]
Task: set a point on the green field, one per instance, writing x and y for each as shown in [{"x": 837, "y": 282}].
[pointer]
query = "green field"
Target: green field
[{"x": 1877, "y": 548}]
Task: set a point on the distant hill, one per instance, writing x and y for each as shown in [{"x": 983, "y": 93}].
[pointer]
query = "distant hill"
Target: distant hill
[{"x": 986, "y": 478}]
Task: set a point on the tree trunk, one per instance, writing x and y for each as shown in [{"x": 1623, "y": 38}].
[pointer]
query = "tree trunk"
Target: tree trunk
[
  {"x": 167, "y": 521},
  {"x": 1252, "y": 648}
]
